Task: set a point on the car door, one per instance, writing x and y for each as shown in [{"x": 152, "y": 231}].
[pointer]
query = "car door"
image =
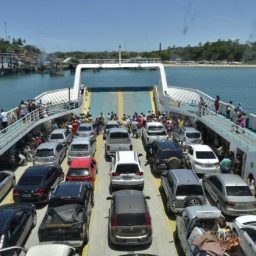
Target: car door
[
  {"x": 247, "y": 242},
  {"x": 182, "y": 231},
  {"x": 215, "y": 188},
  {"x": 52, "y": 178},
  {"x": 92, "y": 146},
  {"x": 60, "y": 151}
]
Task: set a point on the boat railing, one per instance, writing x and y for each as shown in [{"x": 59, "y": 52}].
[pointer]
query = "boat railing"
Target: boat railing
[{"x": 46, "y": 112}]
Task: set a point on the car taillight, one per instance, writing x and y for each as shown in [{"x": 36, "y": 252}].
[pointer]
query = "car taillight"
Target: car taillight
[
  {"x": 116, "y": 174},
  {"x": 228, "y": 203},
  {"x": 39, "y": 191},
  {"x": 198, "y": 163},
  {"x": 147, "y": 221},
  {"x": 16, "y": 192},
  {"x": 139, "y": 173},
  {"x": 113, "y": 222}
]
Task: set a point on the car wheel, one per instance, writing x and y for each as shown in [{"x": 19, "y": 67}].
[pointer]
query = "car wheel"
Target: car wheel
[
  {"x": 34, "y": 222},
  {"x": 173, "y": 163},
  {"x": 193, "y": 200}
]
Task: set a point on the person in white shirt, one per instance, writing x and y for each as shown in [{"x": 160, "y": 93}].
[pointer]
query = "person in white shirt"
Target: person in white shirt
[{"x": 4, "y": 119}]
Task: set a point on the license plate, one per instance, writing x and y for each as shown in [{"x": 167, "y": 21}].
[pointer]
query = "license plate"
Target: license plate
[
  {"x": 26, "y": 195},
  {"x": 126, "y": 177}
]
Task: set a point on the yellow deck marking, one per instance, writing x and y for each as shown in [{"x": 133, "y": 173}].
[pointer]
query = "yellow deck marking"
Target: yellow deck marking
[
  {"x": 99, "y": 146},
  {"x": 151, "y": 96},
  {"x": 171, "y": 223},
  {"x": 87, "y": 101},
  {"x": 120, "y": 107}
]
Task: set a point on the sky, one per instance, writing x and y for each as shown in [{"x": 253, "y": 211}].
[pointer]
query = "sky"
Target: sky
[{"x": 135, "y": 25}]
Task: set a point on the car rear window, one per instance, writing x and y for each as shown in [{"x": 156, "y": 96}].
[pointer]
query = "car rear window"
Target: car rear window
[
  {"x": 31, "y": 181},
  {"x": 193, "y": 135},
  {"x": 189, "y": 190},
  {"x": 79, "y": 147},
  {"x": 57, "y": 136},
  {"x": 155, "y": 128},
  {"x": 109, "y": 126},
  {"x": 75, "y": 172},
  {"x": 84, "y": 128},
  {"x": 131, "y": 219},
  {"x": 205, "y": 155},
  {"x": 127, "y": 168},
  {"x": 119, "y": 135},
  {"x": 238, "y": 191},
  {"x": 156, "y": 133},
  {"x": 44, "y": 152}
]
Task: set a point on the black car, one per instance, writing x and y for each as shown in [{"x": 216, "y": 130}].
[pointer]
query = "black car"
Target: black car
[
  {"x": 166, "y": 154},
  {"x": 36, "y": 184},
  {"x": 68, "y": 216},
  {"x": 16, "y": 222}
]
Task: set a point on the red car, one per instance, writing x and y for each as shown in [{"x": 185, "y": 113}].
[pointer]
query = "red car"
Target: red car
[{"x": 82, "y": 169}]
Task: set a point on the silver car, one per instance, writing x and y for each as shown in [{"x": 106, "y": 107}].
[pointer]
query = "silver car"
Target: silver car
[
  {"x": 86, "y": 130},
  {"x": 81, "y": 147},
  {"x": 230, "y": 193},
  {"x": 188, "y": 135},
  {"x": 110, "y": 124},
  {"x": 7, "y": 181},
  {"x": 51, "y": 153},
  {"x": 63, "y": 136},
  {"x": 129, "y": 218}
]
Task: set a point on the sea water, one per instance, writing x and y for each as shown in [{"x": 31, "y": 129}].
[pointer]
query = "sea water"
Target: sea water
[{"x": 230, "y": 83}]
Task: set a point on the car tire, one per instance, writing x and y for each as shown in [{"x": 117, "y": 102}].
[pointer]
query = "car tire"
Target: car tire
[
  {"x": 192, "y": 200},
  {"x": 173, "y": 163}
]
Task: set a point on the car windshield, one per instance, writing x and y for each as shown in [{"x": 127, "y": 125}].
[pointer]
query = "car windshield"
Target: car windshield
[
  {"x": 155, "y": 128},
  {"x": 119, "y": 135},
  {"x": 131, "y": 219},
  {"x": 193, "y": 135},
  {"x": 57, "y": 136},
  {"x": 31, "y": 181},
  {"x": 79, "y": 147},
  {"x": 74, "y": 172},
  {"x": 85, "y": 128},
  {"x": 238, "y": 191},
  {"x": 45, "y": 152},
  {"x": 156, "y": 133},
  {"x": 127, "y": 168},
  {"x": 189, "y": 190},
  {"x": 108, "y": 126},
  {"x": 205, "y": 155}
]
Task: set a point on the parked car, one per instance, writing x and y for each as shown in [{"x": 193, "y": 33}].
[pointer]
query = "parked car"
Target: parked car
[
  {"x": 51, "y": 153},
  {"x": 17, "y": 221},
  {"x": 126, "y": 170},
  {"x": 51, "y": 250},
  {"x": 110, "y": 124},
  {"x": 202, "y": 159},
  {"x": 36, "y": 184},
  {"x": 86, "y": 130},
  {"x": 245, "y": 227},
  {"x": 81, "y": 147},
  {"x": 118, "y": 139},
  {"x": 166, "y": 154},
  {"x": 68, "y": 215},
  {"x": 193, "y": 222},
  {"x": 230, "y": 193},
  {"x": 82, "y": 169},
  {"x": 181, "y": 188},
  {"x": 7, "y": 181},
  {"x": 153, "y": 131},
  {"x": 187, "y": 135},
  {"x": 63, "y": 136},
  {"x": 129, "y": 218}
]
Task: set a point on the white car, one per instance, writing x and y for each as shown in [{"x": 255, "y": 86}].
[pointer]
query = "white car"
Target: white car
[
  {"x": 245, "y": 227},
  {"x": 51, "y": 250},
  {"x": 202, "y": 159},
  {"x": 153, "y": 131}
]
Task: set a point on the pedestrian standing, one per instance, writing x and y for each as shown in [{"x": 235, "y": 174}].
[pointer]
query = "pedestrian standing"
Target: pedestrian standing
[
  {"x": 228, "y": 108},
  {"x": 242, "y": 120},
  {"x": 225, "y": 165},
  {"x": 4, "y": 119},
  {"x": 217, "y": 104},
  {"x": 250, "y": 182},
  {"x": 82, "y": 86}
]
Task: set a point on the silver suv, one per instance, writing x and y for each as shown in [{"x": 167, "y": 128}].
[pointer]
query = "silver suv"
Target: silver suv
[
  {"x": 63, "y": 136},
  {"x": 126, "y": 170},
  {"x": 188, "y": 135},
  {"x": 129, "y": 218},
  {"x": 181, "y": 188}
]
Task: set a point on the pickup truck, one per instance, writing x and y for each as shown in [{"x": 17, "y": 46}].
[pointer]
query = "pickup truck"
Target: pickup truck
[
  {"x": 68, "y": 215},
  {"x": 197, "y": 225},
  {"x": 118, "y": 139}
]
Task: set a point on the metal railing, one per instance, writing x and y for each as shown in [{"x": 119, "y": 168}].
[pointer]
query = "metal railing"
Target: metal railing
[{"x": 15, "y": 131}]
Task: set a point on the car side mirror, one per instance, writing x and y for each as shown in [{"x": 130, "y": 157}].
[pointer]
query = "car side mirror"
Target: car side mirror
[
  {"x": 147, "y": 197},
  {"x": 109, "y": 198},
  {"x": 139, "y": 155}
]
